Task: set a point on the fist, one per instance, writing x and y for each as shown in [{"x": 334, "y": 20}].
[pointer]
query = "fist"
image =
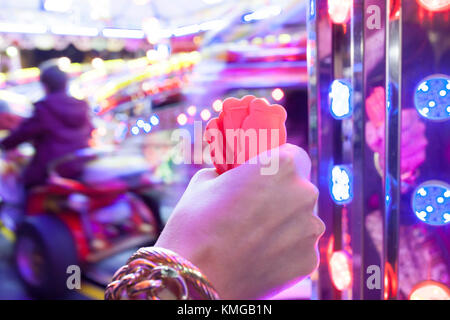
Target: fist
[{"x": 250, "y": 234}]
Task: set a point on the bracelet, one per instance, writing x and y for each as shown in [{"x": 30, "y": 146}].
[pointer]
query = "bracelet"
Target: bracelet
[{"x": 154, "y": 273}]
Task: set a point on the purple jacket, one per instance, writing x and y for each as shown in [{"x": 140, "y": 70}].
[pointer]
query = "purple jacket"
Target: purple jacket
[{"x": 60, "y": 125}]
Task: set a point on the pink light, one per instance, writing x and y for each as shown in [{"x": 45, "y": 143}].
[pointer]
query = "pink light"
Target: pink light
[
  {"x": 430, "y": 290},
  {"x": 339, "y": 10},
  {"x": 205, "y": 114},
  {"x": 277, "y": 94},
  {"x": 192, "y": 110},
  {"x": 217, "y": 105},
  {"x": 182, "y": 119},
  {"x": 435, "y": 5},
  {"x": 340, "y": 269}
]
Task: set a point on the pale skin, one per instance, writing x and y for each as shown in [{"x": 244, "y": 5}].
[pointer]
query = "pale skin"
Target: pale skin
[{"x": 250, "y": 234}]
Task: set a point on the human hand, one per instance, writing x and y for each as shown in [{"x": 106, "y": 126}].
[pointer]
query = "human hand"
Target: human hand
[{"x": 250, "y": 234}]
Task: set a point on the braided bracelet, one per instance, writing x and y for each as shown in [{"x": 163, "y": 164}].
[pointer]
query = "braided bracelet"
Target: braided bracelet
[{"x": 154, "y": 273}]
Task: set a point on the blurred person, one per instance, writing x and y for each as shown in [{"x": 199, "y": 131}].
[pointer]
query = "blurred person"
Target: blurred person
[{"x": 60, "y": 125}]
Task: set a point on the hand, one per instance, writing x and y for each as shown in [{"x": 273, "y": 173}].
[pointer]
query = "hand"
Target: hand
[{"x": 250, "y": 234}]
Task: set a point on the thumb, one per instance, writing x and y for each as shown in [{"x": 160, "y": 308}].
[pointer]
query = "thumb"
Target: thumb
[{"x": 204, "y": 175}]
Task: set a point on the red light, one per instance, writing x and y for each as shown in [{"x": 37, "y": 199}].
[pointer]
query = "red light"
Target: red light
[
  {"x": 435, "y": 5},
  {"x": 430, "y": 290},
  {"x": 205, "y": 114},
  {"x": 182, "y": 119},
  {"x": 217, "y": 105},
  {"x": 192, "y": 110},
  {"x": 340, "y": 269},
  {"x": 339, "y": 10},
  {"x": 277, "y": 94}
]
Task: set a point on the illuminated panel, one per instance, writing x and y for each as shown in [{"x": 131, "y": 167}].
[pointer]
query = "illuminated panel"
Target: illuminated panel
[
  {"x": 435, "y": 5},
  {"x": 340, "y": 270},
  {"x": 431, "y": 202},
  {"x": 432, "y": 98},
  {"x": 339, "y": 10},
  {"x": 340, "y": 99},
  {"x": 341, "y": 184},
  {"x": 430, "y": 290}
]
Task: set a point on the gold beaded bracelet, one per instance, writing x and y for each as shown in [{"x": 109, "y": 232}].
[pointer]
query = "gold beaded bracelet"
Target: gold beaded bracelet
[{"x": 154, "y": 273}]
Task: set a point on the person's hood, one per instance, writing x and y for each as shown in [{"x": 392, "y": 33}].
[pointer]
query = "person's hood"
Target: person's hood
[{"x": 66, "y": 109}]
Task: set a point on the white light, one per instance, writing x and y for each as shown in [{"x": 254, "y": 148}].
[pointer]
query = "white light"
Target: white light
[
  {"x": 211, "y": 25},
  {"x": 431, "y": 104},
  {"x": 22, "y": 28},
  {"x": 98, "y": 63},
  {"x": 277, "y": 94},
  {"x": 425, "y": 110},
  {"x": 64, "y": 63},
  {"x": 429, "y": 209},
  {"x": 147, "y": 127},
  {"x": 75, "y": 31},
  {"x": 440, "y": 200},
  {"x": 182, "y": 119},
  {"x": 123, "y": 33},
  {"x": 182, "y": 31},
  {"x": 217, "y": 105},
  {"x": 422, "y": 192},
  {"x": 135, "y": 130},
  {"x": 263, "y": 13},
  {"x": 12, "y": 51},
  {"x": 423, "y": 86},
  {"x": 205, "y": 114},
  {"x": 340, "y": 184},
  {"x": 448, "y": 109},
  {"x": 421, "y": 215},
  {"x": 446, "y": 217},
  {"x": 152, "y": 55},
  {"x": 140, "y": 123},
  {"x": 340, "y": 99},
  {"x": 154, "y": 120},
  {"x": 163, "y": 51},
  {"x": 442, "y": 93},
  {"x": 191, "y": 110},
  {"x": 58, "y": 5},
  {"x": 447, "y": 194}
]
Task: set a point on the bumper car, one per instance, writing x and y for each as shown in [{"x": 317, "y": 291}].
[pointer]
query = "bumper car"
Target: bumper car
[{"x": 86, "y": 222}]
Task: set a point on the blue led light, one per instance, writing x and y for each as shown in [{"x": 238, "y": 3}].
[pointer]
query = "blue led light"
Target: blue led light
[
  {"x": 431, "y": 98},
  {"x": 340, "y": 99},
  {"x": 431, "y": 202},
  {"x": 154, "y": 120},
  {"x": 341, "y": 184}
]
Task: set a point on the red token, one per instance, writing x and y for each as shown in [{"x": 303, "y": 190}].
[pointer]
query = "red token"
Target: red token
[{"x": 244, "y": 129}]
